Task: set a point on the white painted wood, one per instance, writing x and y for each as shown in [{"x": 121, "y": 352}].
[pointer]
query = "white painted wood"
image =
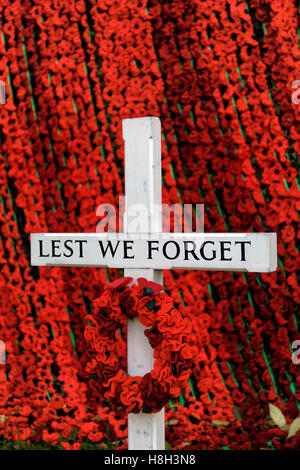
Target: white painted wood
[
  {"x": 140, "y": 364},
  {"x": 252, "y": 252},
  {"x": 145, "y": 431},
  {"x": 142, "y": 138}
]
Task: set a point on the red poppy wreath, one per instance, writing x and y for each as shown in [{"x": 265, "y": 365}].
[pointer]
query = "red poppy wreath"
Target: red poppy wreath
[{"x": 167, "y": 331}]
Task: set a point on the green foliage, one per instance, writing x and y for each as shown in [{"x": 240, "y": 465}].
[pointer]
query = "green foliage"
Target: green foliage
[{"x": 25, "y": 445}]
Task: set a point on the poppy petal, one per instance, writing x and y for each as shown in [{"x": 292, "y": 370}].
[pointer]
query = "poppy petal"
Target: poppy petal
[
  {"x": 118, "y": 283},
  {"x": 153, "y": 286}
]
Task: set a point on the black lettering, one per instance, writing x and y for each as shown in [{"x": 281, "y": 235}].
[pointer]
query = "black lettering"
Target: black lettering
[
  {"x": 165, "y": 249},
  {"x": 151, "y": 248},
  {"x": 191, "y": 250},
  {"x": 223, "y": 249},
  {"x": 68, "y": 248},
  {"x": 243, "y": 255},
  {"x": 54, "y": 248},
  {"x": 80, "y": 247},
  {"x": 110, "y": 247},
  {"x": 41, "y": 250},
  {"x": 126, "y": 248},
  {"x": 202, "y": 251}
]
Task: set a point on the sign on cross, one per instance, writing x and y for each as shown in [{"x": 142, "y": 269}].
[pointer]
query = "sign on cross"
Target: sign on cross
[{"x": 143, "y": 250}]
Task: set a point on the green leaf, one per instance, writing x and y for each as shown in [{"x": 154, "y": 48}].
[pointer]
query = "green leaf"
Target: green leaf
[
  {"x": 221, "y": 424},
  {"x": 276, "y": 415},
  {"x": 151, "y": 304},
  {"x": 294, "y": 427},
  {"x": 237, "y": 413}
]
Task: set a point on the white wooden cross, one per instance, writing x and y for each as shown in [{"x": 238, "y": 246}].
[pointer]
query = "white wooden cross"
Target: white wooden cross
[{"x": 145, "y": 253}]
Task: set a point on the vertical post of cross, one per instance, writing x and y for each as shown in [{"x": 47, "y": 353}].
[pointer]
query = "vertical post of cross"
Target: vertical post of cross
[{"x": 143, "y": 192}]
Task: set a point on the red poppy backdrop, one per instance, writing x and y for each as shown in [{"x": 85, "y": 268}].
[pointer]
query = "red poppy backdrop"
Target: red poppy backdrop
[{"x": 219, "y": 75}]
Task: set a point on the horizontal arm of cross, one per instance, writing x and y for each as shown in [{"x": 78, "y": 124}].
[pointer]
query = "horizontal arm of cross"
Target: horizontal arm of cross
[{"x": 252, "y": 252}]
